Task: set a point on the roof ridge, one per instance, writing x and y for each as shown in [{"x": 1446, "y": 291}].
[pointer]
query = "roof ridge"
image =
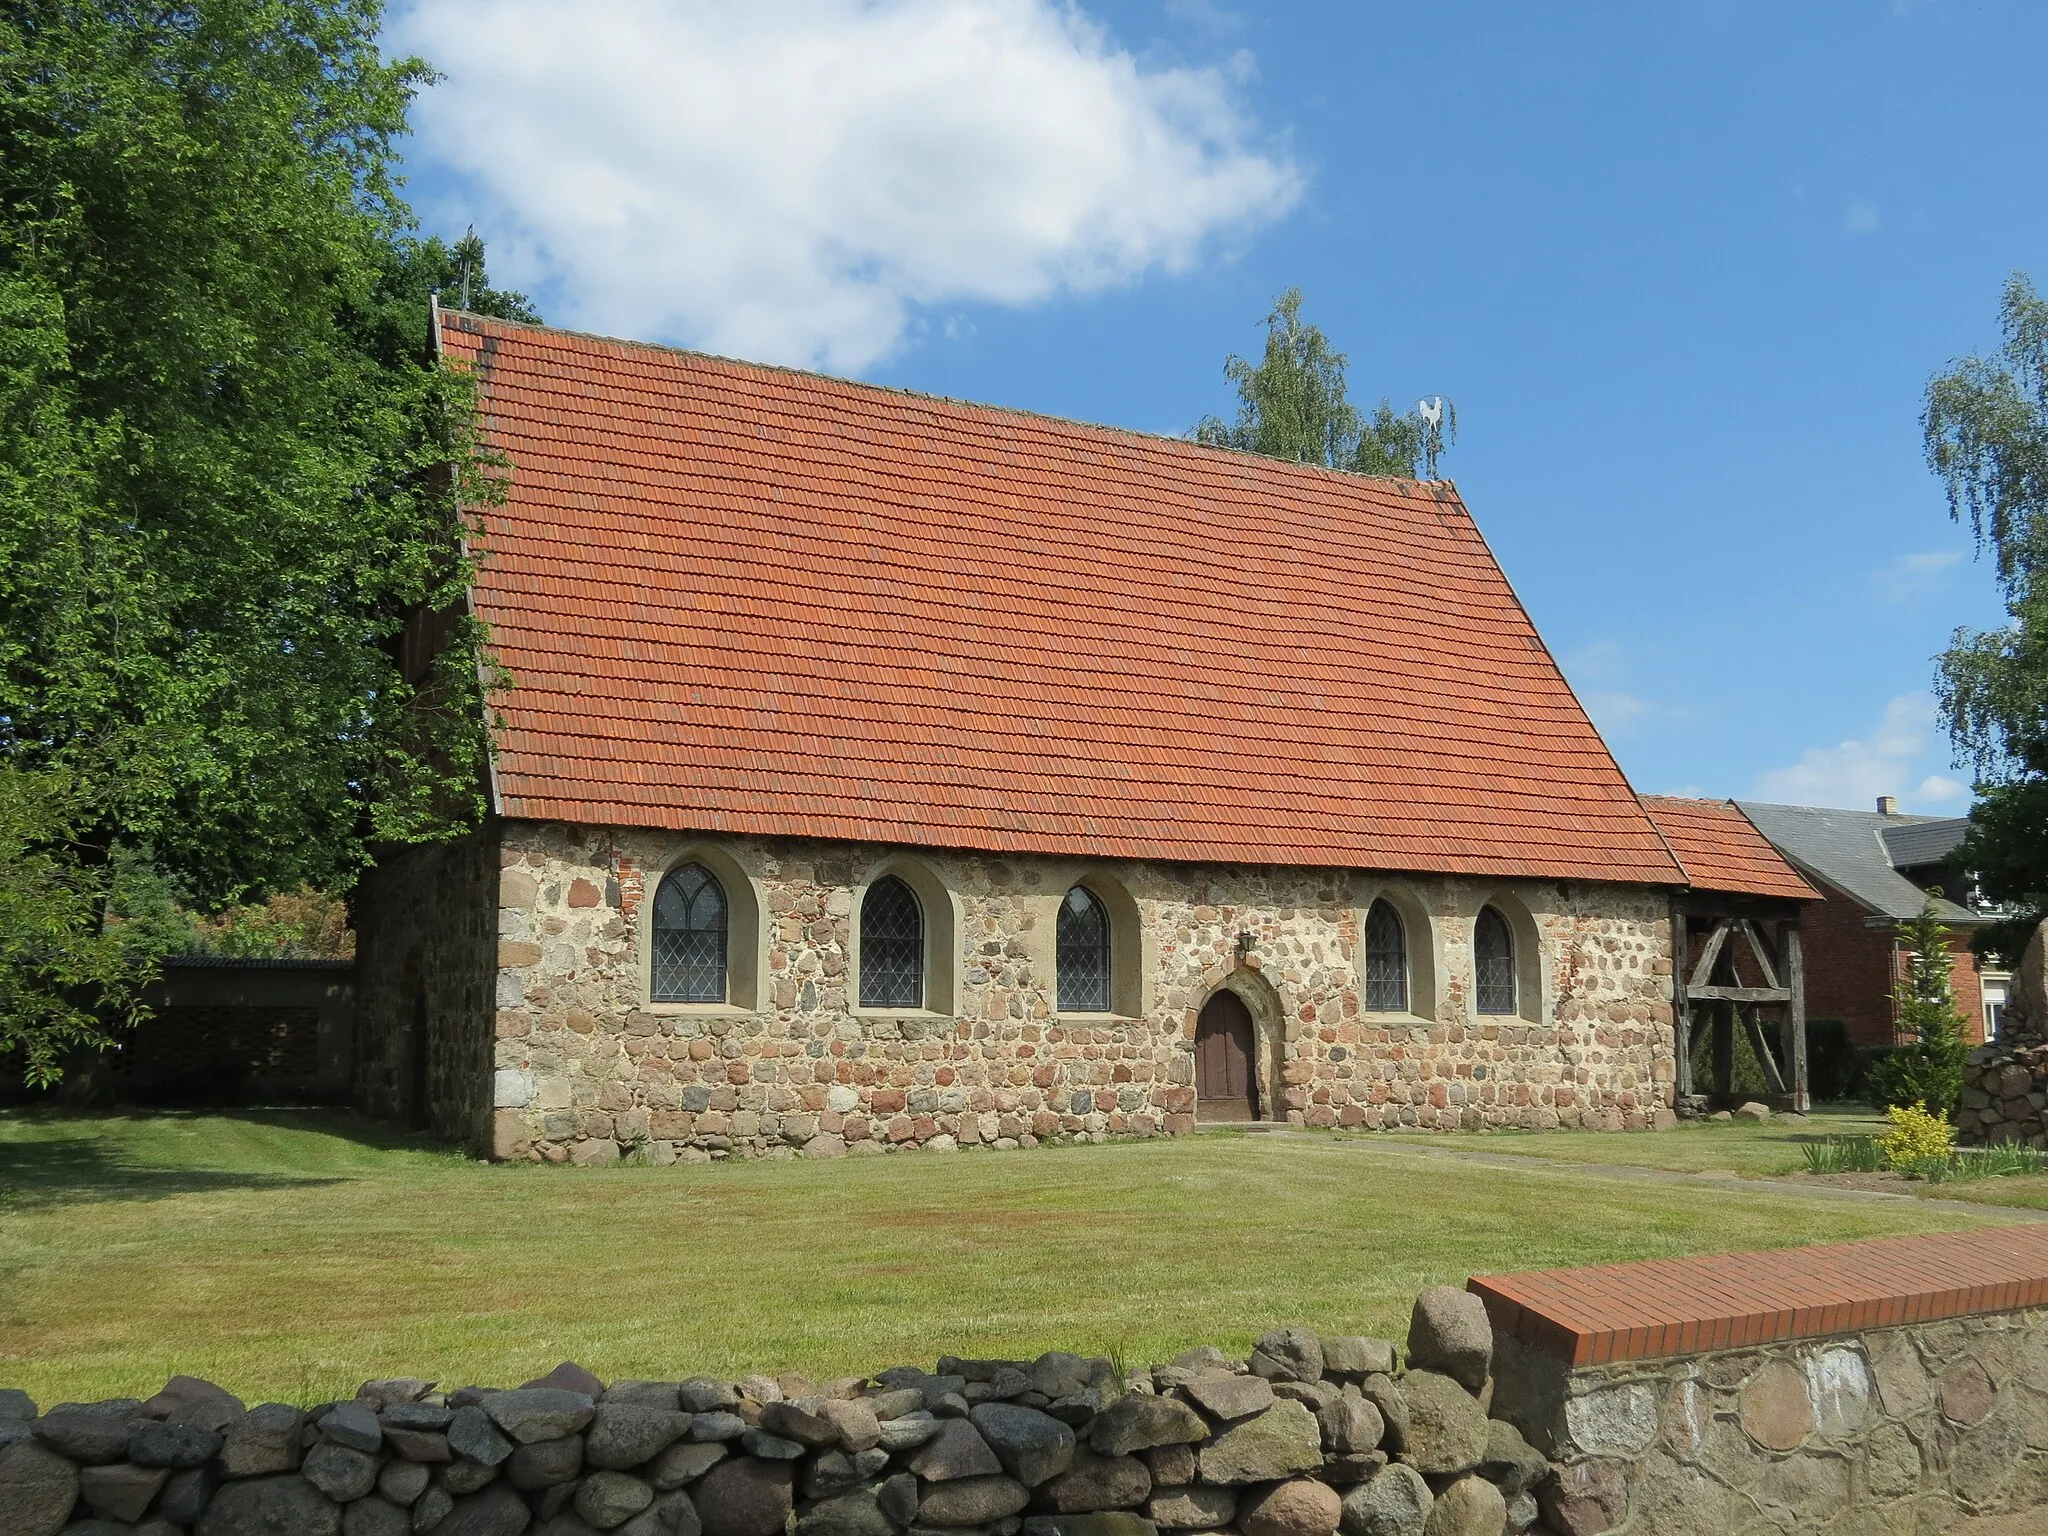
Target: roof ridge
[{"x": 1108, "y": 428}]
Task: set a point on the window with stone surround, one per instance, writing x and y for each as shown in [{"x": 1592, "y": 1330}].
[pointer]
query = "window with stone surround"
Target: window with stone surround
[
  {"x": 891, "y": 946},
  {"x": 1493, "y": 962},
  {"x": 689, "y": 938},
  {"x": 1084, "y": 953},
  {"x": 1386, "y": 960}
]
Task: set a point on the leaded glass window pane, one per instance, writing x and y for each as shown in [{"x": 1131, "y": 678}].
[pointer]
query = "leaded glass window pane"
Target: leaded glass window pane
[
  {"x": 1083, "y": 953},
  {"x": 689, "y": 937},
  {"x": 891, "y": 947},
  {"x": 1386, "y": 961},
  {"x": 1493, "y": 949}
]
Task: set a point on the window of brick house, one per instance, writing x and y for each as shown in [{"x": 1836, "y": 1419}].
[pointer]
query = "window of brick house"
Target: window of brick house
[
  {"x": 1083, "y": 953},
  {"x": 1493, "y": 954},
  {"x": 891, "y": 946},
  {"x": 1386, "y": 960},
  {"x": 689, "y": 937}
]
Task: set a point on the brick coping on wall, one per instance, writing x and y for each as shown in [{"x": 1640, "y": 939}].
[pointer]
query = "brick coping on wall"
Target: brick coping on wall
[{"x": 1661, "y": 1307}]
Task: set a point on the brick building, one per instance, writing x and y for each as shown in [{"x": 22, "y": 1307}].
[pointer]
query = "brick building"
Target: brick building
[
  {"x": 880, "y": 770},
  {"x": 1874, "y": 869}
]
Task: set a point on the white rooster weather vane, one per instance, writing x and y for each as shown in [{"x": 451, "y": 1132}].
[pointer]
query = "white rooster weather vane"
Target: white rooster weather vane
[{"x": 1439, "y": 426}]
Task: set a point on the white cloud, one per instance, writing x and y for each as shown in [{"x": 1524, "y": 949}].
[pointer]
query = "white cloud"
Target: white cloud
[
  {"x": 1860, "y": 219},
  {"x": 1852, "y": 774},
  {"x": 1614, "y": 710},
  {"x": 790, "y": 180},
  {"x": 1909, "y": 575},
  {"x": 1205, "y": 15},
  {"x": 1939, "y": 789}
]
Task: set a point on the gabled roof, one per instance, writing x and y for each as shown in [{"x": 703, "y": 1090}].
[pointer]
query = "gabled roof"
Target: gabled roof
[
  {"x": 1848, "y": 850},
  {"x": 750, "y": 600},
  {"x": 1722, "y": 851},
  {"x": 1919, "y": 841}
]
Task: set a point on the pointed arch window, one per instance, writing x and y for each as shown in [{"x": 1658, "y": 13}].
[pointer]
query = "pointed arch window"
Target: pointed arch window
[
  {"x": 689, "y": 937},
  {"x": 1083, "y": 953},
  {"x": 891, "y": 946},
  {"x": 1493, "y": 954},
  {"x": 1386, "y": 960}
]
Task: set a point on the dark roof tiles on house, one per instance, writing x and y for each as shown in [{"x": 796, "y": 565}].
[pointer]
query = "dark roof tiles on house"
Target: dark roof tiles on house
[
  {"x": 1918, "y": 842},
  {"x": 1847, "y": 849},
  {"x": 1722, "y": 851},
  {"x": 749, "y": 600}
]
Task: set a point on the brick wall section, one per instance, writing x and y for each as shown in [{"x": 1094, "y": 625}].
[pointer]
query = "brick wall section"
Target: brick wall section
[
  {"x": 1612, "y": 1312},
  {"x": 1852, "y": 969},
  {"x": 1889, "y": 1386},
  {"x": 587, "y": 1067},
  {"x": 1969, "y": 986},
  {"x": 426, "y": 921}
]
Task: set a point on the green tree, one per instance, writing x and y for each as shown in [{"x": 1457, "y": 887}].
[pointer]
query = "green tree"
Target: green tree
[
  {"x": 66, "y": 979},
  {"x": 1928, "y": 1067},
  {"x": 1293, "y": 404},
  {"x": 1986, "y": 427},
  {"x": 224, "y": 460}
]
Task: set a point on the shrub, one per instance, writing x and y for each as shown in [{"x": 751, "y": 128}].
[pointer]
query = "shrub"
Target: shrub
[
  {"x": 1916, "y": 1136},
  {"x": 1928, "y": 1068}
]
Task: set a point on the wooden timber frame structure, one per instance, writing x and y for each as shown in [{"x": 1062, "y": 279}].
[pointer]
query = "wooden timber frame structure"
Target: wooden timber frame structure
[{"x": 1710, "y": 991}]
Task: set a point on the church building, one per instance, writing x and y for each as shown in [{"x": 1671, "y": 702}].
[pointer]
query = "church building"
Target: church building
[{"x": 878, "y": 771}]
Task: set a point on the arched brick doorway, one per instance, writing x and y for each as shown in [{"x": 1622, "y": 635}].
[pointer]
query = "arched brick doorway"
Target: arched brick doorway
[{"x": 1226, "y": 1056}]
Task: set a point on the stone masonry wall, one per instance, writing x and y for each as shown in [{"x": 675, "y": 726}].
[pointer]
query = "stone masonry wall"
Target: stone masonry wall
[
  {"x": 1895, "y": 1431},
  {"x": 588, "y": 1069},
  {"x": 426, "y": 939},
  {"x": 1307, "y": 1433},
  {"x": 2005, "y": 1096}
]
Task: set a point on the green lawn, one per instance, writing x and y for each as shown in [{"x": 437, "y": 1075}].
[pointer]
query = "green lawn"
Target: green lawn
[
  {"x": 1756, "y": 1151},
  {"x": 291, "y": 1255},
  {"x": 1752, "y": 1151}
]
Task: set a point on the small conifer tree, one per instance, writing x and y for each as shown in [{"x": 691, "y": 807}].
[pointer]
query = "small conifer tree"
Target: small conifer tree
[{"x": 1927, "y": 1068}]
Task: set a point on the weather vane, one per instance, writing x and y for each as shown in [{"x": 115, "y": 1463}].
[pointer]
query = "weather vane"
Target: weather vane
[{"x": 1439, "y": 427}]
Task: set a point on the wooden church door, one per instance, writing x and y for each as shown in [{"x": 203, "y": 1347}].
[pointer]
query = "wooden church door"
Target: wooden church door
[{"x": 1225, "y": 1088}]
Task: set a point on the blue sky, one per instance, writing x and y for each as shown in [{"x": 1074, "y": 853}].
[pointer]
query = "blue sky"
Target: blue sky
[{"x": 1685, "y": 269}]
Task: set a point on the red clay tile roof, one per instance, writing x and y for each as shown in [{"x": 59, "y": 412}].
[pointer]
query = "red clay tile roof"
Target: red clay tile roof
[
  {"x": 1722, "y": 850},
  {"x": 743, "y": 599}
]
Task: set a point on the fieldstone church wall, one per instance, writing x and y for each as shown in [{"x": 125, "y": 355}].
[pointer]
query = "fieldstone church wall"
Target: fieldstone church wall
[{"x": 587, "y": 1068}]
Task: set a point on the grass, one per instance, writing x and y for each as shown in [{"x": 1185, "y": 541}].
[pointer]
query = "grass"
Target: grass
[
  {"x": 292, "y": 1255},
  {"x": 1739, "y": 1146},
  {"x": 1844, "y": 1154},
  {"x": 1830, "y": 1140}
]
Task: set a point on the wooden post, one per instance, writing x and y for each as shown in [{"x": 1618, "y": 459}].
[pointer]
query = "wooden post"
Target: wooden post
[
  {"x": 1724, "y": 1051},
  {"x": 1681, "y": 1010},
  {"x": 1795, "y": 1012}
]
